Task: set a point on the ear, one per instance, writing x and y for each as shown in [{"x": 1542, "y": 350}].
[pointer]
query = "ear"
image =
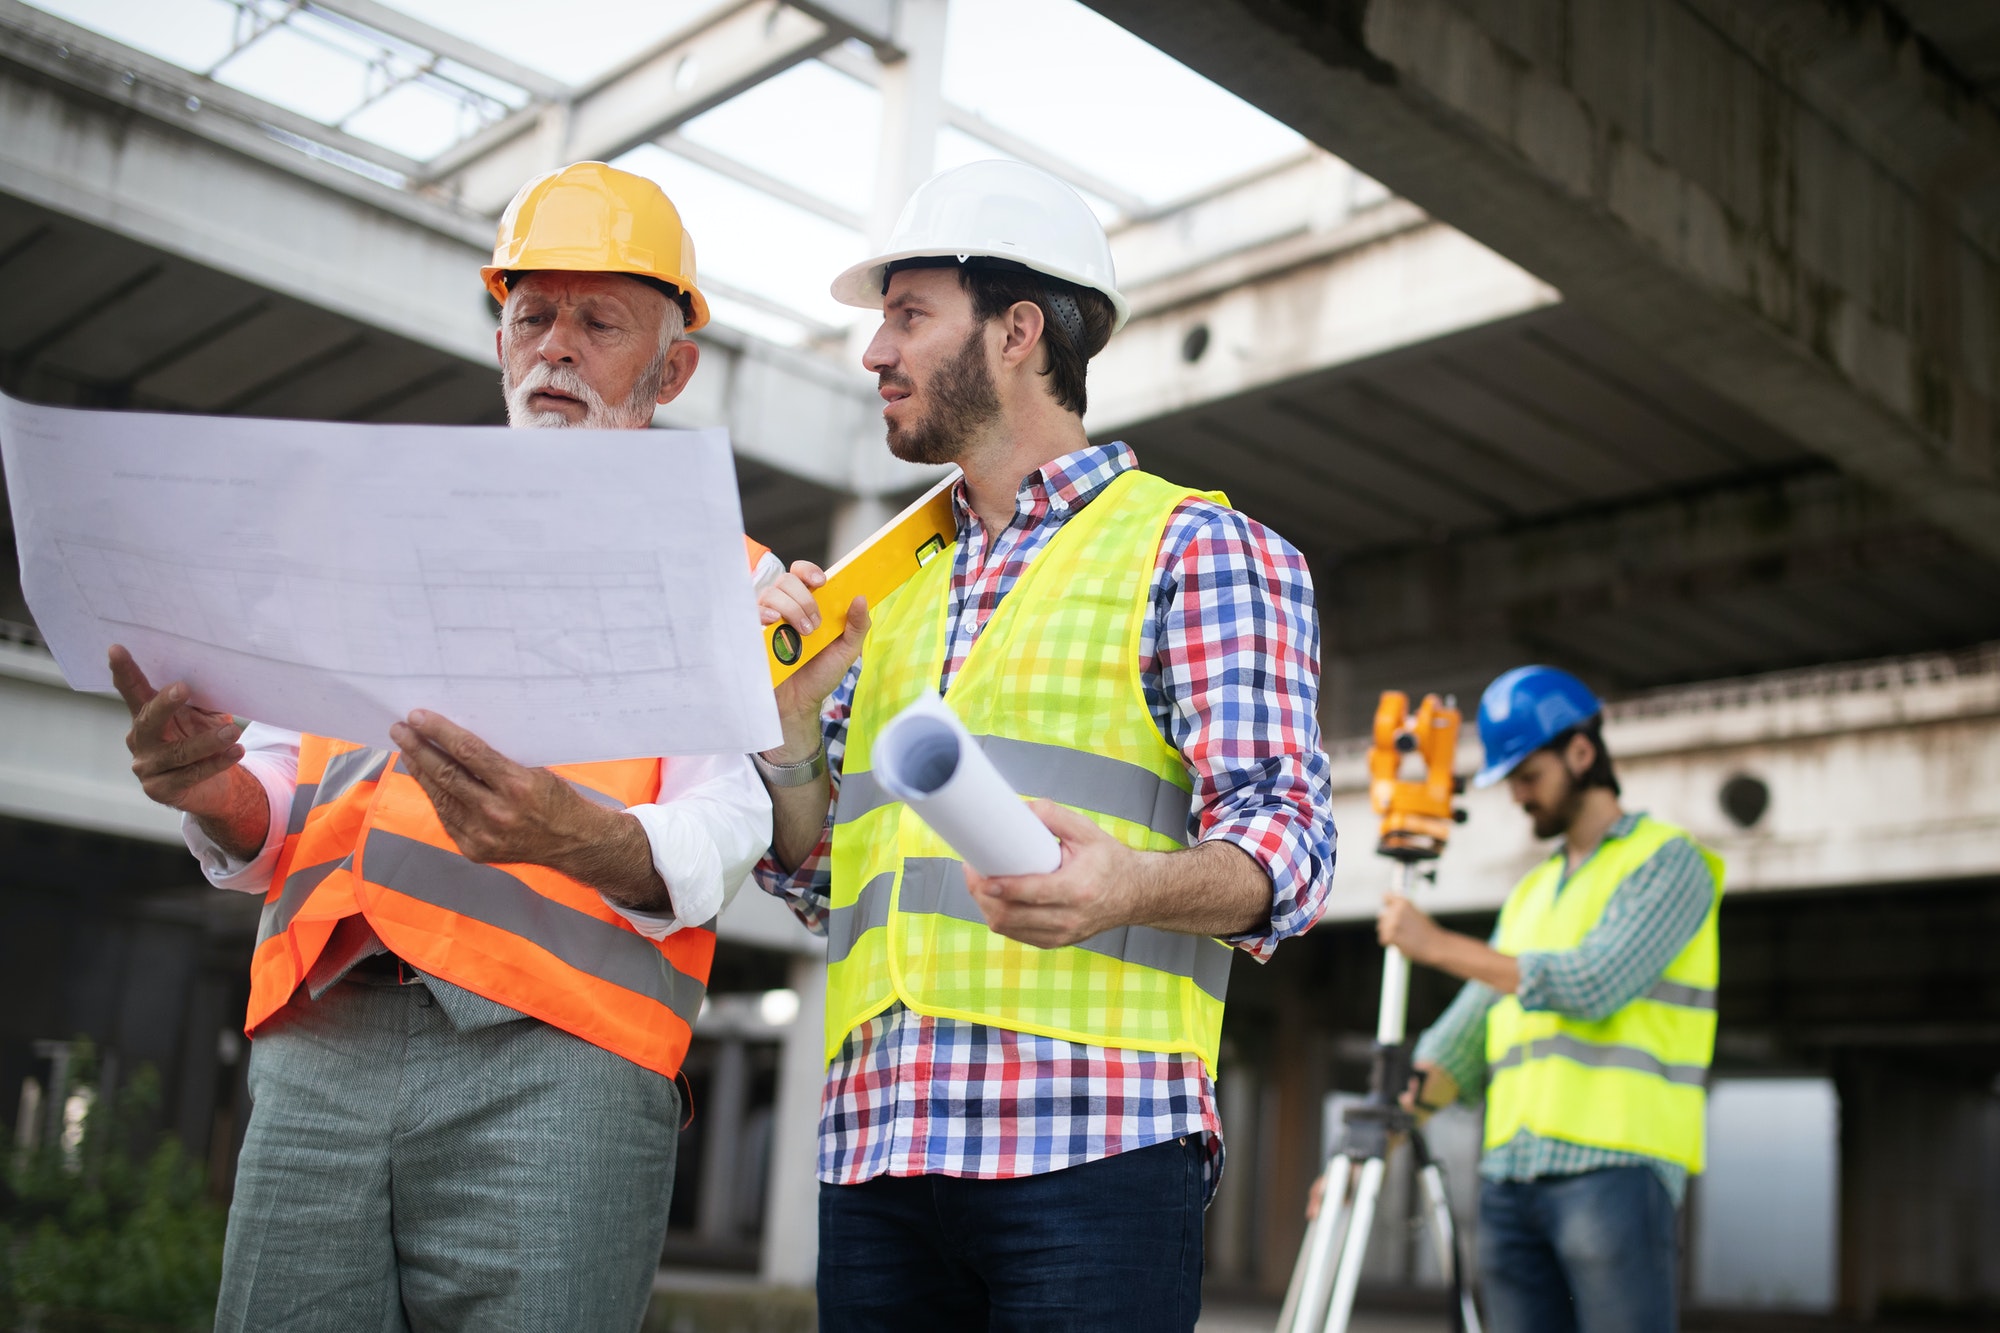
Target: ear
[
  {"x": 683, "y": 355},
  {"x": 1579, "y": 755},
  {"x": 500, "y": 349},
  {"x": 1022, "y": 325}
]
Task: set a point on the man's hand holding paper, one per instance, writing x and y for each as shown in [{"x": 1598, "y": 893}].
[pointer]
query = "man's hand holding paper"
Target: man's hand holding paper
[
  {"x": 1092, "y": 891},
  {"x": 188, "y": 758}
]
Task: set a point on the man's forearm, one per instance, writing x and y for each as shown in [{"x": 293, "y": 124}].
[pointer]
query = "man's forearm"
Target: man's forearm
[
  {"x": 617, "y": 861},
  {"x": 1472, "y": 960},
  {"x": 798, "y": 817},
  {"x": 242, "y": 825},
  {"x": 1216, "y": 888}
]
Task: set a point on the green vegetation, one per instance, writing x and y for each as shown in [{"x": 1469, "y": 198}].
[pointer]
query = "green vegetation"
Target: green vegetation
[{"x": 98, "y": 1234}]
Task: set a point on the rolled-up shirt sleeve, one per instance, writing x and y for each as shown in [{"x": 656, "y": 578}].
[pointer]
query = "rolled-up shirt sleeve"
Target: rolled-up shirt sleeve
[
  {"x": 710, "y": 824},
  {"x": 1456, "y": 1043},
  {"x": 271, "y": 755},
  {"x": 1236, "y": 637}
]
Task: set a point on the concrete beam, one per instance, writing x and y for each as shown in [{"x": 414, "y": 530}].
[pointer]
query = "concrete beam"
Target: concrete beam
[
  {"x": 94, "y": 63},
  {"x": 65, "y": 760},
  {"x": 662, "y": 89},
  {"x": 405, "y": 28},
  {"x": 1790, "y": 201},
  {"x": 1737, "y": 564},
  {"x": 1878, "y": 773},
  {"x": 1310, "y": 297}
]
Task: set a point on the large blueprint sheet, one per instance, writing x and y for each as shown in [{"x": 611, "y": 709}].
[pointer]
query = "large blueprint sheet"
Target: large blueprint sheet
[{"x": 567, "y": 595}]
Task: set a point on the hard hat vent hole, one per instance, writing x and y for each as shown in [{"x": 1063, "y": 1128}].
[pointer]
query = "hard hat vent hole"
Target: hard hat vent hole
[
  {"x": 1745, "y": 799},
  {"x": 1195, "y": 345}
]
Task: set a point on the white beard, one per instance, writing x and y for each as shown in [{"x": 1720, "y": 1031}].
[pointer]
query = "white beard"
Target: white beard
[{"x": 635, "y": 413}]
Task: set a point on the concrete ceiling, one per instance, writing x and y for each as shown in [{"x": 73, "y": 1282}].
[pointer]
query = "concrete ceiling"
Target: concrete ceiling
[
  {"x": 1539, "y": 488},
  {"x": 1965, "y": 32},
  {"x": 1515, "y": 422}
]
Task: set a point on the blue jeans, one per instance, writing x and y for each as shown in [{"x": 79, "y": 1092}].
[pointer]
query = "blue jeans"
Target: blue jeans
[
  {"x": 1109, "y": 1245},
  {"x": 1589, "y": 1253}
]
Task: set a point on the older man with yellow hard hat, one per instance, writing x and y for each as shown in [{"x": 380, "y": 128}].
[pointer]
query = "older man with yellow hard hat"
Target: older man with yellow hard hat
[{"x": 474, "y": 982}]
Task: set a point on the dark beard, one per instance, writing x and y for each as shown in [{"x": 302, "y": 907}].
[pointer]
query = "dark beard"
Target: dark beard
[
  {"x": 962, "y": 400},
  {"x": 1553, "y": 823}
]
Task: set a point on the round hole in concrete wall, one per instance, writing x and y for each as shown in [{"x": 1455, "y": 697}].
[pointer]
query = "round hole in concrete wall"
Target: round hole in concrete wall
[
  {"x": 1744, "y": 799},
  {"x": 1195, "y": 344}
]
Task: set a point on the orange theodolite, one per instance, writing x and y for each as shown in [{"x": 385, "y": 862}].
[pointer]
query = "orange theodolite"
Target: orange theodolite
[
  {"x": 1416, "y": 823},
  {"x": 1416, "y": 816}
]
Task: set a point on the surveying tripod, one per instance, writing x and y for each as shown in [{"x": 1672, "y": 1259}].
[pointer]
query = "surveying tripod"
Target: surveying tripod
[{"x": 1417, "y": 819}]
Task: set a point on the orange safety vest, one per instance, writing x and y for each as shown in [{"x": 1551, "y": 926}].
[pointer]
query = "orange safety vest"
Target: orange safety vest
[{"x": 363, "y": 838}]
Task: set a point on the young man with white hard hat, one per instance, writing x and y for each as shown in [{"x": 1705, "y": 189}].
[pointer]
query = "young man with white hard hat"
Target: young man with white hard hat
[
  {"x": 474, "y": 982},
  {"x": 1586, "y": 1026},
  {"x": 1019, "y": 1124}
]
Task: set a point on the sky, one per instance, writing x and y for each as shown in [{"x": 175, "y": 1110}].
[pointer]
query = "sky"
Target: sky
[{"x": 1050, "y": 72}]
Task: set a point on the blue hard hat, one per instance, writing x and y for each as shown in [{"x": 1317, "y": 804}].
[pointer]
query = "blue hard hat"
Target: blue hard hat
[{"x": 1524, "y": 710}]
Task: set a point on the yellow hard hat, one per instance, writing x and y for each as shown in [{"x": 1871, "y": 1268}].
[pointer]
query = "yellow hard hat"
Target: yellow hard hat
[{"x": 592, "y": 218}]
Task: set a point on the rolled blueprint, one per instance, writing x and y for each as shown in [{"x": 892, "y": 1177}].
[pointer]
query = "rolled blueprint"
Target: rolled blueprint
[{"x": 928, "y": 760}]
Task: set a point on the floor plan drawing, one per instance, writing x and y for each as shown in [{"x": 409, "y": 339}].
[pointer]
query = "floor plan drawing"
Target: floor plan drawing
[{"x": 568, "y": 599}]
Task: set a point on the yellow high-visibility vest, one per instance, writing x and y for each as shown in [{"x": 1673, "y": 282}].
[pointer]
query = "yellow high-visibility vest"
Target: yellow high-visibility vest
[
  {"x": 1051, "y": 690},
  {"x": 1634, "y": 1082}
]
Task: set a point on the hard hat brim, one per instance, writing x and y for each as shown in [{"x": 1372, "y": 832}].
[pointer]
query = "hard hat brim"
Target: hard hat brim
[
  {"x": 862, "y": 285},
  {"x": 495, "y": 278}
]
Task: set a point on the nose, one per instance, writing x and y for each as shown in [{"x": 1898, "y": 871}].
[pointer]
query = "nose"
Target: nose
[
  {"x": 559, "y": 342},
  {"x": 880, "y": 357}
]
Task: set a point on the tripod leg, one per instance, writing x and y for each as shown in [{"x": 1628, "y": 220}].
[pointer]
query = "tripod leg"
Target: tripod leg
[
  {"x": 1445, "y": 1236},
  {"x": 1360, "y": 1222},
  {"x": 1306, "y": 1297}
]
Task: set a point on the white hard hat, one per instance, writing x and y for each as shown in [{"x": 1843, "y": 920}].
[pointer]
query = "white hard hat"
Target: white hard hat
[{"x": 995, "y": 210}]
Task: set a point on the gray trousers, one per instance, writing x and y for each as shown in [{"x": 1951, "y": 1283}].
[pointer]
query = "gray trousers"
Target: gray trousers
[{"x": 419, "y": 1158}]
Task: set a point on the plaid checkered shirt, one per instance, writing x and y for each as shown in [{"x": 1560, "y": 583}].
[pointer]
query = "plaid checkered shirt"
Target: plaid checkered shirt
[
  {"x": 1651, "y": 917},
  {"x": 1229, "y": 662}
]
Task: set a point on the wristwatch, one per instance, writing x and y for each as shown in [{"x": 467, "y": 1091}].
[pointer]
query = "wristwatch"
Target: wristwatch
[{"x": 791, "y": 775}]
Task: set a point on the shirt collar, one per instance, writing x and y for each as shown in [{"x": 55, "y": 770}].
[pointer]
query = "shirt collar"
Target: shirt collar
[
  {"x": 1061, "y": 486},
  {"x": 1624, "y": 825}
]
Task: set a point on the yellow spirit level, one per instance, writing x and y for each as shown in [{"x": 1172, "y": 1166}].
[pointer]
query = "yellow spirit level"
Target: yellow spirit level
[{"x": 876, "y": 568}]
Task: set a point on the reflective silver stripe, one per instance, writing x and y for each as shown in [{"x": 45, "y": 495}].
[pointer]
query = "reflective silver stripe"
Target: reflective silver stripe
[
  {"x": 342, "y": 774},
  {"x": 593, "y": 795},
  {"x": 1058, "y": 773},
  {"x": 1563, "y": 1046},
  {"x": 1688, "y": 997},
  {"x": 489, "y": 894},
  {"x": 346, "y": 771},
  {"x": 860, "y": 794},
  {"x": 299, "y": 885},
  {"x": 936, "y": 885},
  {"x": 846, "y": 925},
  {"x": 304, "y": 798},
  {"x": 1091, "y": 781}
]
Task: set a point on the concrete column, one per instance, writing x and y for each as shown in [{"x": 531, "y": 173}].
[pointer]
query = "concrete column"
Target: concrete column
[
  {"x": 791, "y": 1207},
  {"x": 912, "y": 112}
]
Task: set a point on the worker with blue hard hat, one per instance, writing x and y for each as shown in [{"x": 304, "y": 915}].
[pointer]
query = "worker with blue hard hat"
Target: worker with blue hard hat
[{"x": 1586, "y": 1026}]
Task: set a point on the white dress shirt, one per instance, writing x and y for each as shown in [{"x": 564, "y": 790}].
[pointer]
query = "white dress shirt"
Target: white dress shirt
[{"x": 711, "y": 823}]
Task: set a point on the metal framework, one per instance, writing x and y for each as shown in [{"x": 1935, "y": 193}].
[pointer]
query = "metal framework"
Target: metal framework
[{"x": 515, "y": 121}]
